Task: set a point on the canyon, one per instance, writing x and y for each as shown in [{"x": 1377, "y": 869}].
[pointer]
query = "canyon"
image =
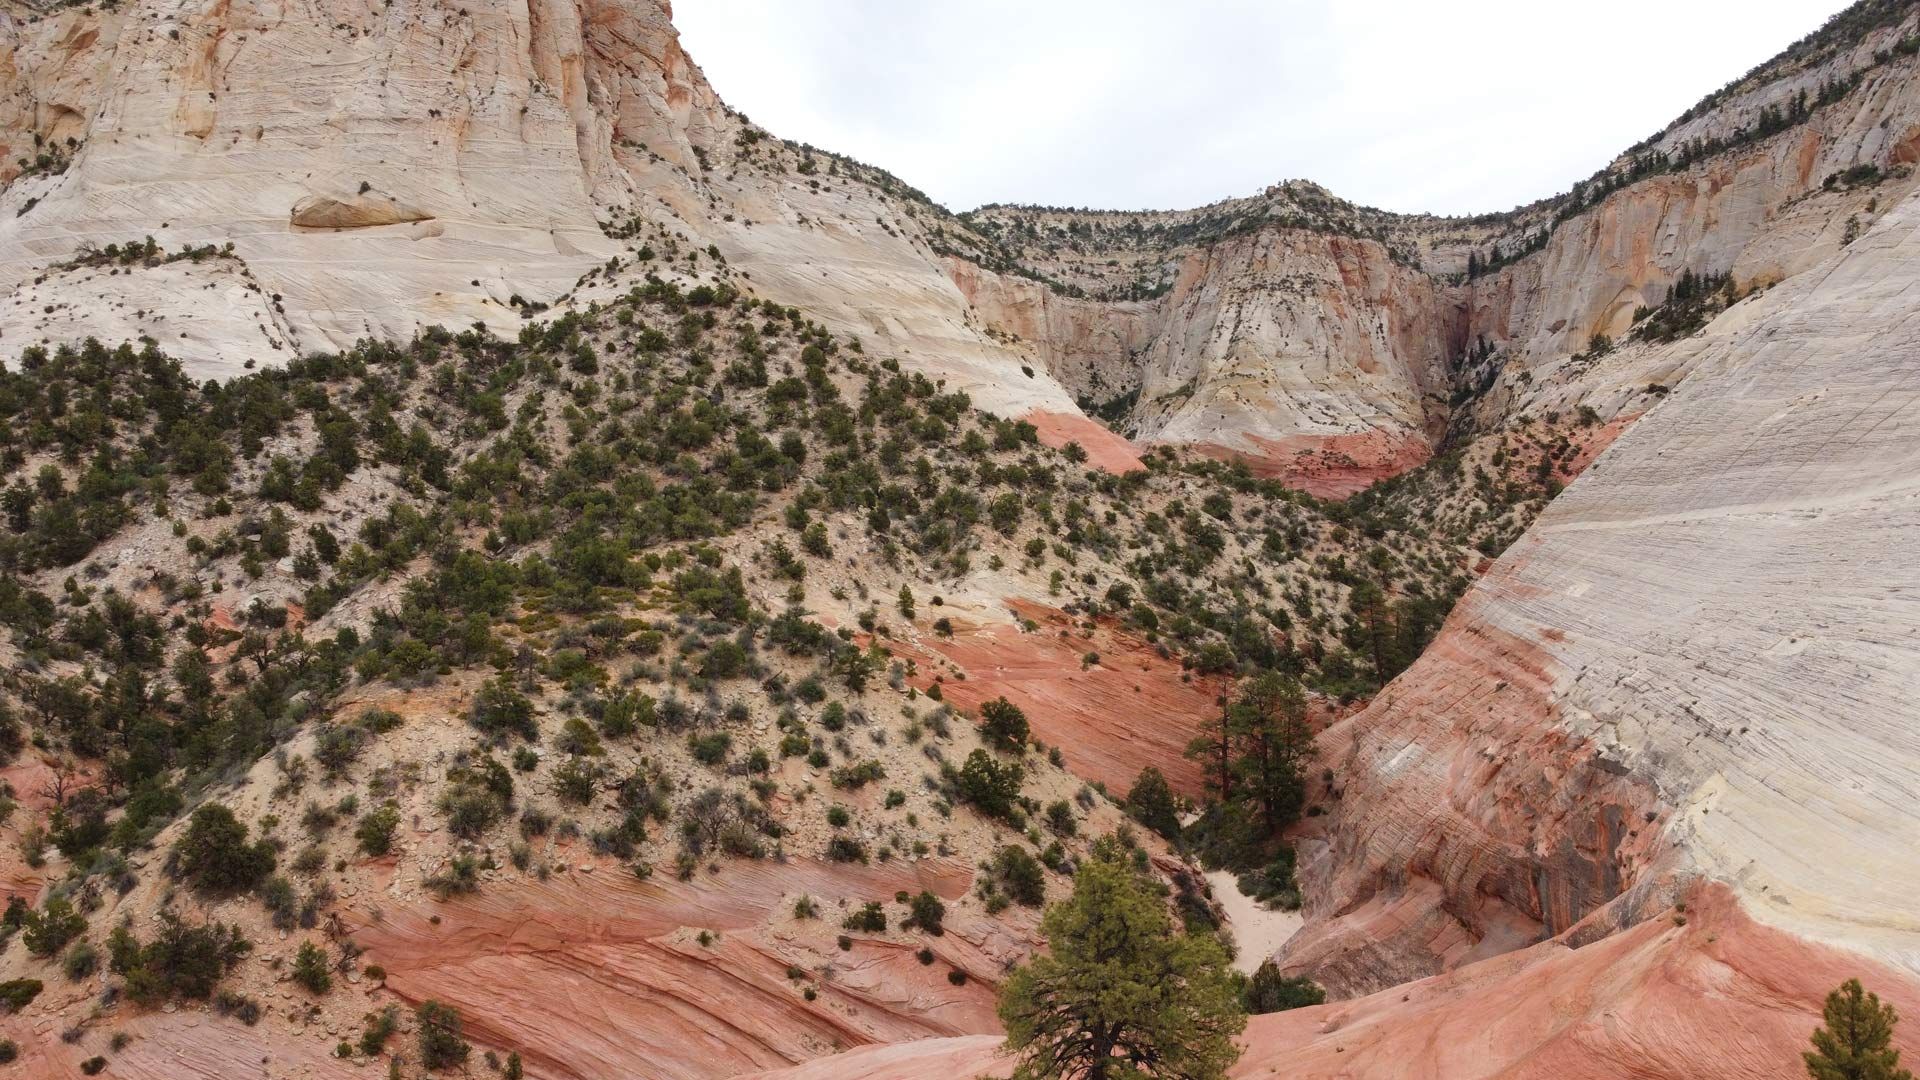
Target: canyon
[{"x": 1645, "y": 797}]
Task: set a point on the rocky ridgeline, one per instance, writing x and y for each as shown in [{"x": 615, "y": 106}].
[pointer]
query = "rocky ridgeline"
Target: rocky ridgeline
[{"x": 1650, "y": 784}]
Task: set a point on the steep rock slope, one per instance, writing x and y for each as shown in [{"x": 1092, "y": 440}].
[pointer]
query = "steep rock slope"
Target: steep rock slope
[
  {"x": 1759, "y": 212},
  {"x": 1669, "y": 732},
  {"x": 1313, "y": 350},
  {"x": 1332, "y": 344},
  {"x": 1698, "y": 663},
  {"x": 437, "y": 164}
]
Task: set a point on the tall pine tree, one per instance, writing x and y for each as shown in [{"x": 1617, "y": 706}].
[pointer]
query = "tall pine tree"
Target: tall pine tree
[{"x": 1269, "y": 721}]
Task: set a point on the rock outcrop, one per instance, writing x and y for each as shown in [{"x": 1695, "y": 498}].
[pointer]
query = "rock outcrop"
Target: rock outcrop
[
  {"x": 595, "y": 974},
  {"x": 571, "y": 145},
  {"x": 1695, "y": 665},
  {"x": 352, "y": 212}
]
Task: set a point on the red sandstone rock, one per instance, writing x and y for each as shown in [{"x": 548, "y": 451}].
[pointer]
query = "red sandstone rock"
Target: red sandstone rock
[
  {"x": 1132, "y": 709},
  {"x": 596, "y": 974},
  {"x": 1707, "y": 994},
  {"x": 1329, "y": 466},
  {"x": 1105, "y": 449}
]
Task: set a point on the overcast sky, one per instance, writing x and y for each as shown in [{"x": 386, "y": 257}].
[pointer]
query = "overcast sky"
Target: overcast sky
[{"x": 1157, "y": 104}]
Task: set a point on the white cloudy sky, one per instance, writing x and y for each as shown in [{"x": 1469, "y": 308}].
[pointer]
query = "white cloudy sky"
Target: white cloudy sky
[{"x": 1456, "y": 107}]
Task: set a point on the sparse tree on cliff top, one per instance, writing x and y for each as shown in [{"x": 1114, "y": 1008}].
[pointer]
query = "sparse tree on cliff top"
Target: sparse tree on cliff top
[
  {"x": 1855, "y": 1043},
  {"x": 1119, "y": 993}
]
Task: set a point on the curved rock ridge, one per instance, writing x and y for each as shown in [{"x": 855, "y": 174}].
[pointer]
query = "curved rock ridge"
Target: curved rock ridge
[
  {"x": 1706, "y": 993},
  {"x": 526, "y": 148},
  {"x": 594, "y": 973},
  {"x": 1698, "y": 663}
]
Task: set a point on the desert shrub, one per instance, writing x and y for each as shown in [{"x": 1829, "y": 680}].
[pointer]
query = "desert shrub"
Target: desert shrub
[
  {"x": 440, "y": 1043},
  {"x": 926, "y": 912},
  {"x": 854, "y": 777},
  {"x": 1150, "y": 802},
  {"x": 17, "y": 994},
  {"x": 376, "y": 828},
  {"x": 710, "y": 748},
  {"x": 380, "y": 1027},
  {"x": 1003, "y": 724},
  {"x": 213, "y": 855},
  {"x": 237, "y": 1005},
  {"x": 1269, "y": 991},
  {"x": 1020, "y": 875},
  {"x": 310, "y": 968},
  {"x": 869, "y": 919},
  {"x": 578, "y": 737},
  {"x": 500, "y": 710},
  {"x": 80, "y": 961},
  {"x": 48, "y": 930},
  {"x": 184, "y": 959},
  {"x": 337, "y": 747},
  {"x": 846, "y": 849},
  {"x": 460, "y": 876},
  {"x": 1273, "y": 885},
  {"x": 989, "y": 786}
]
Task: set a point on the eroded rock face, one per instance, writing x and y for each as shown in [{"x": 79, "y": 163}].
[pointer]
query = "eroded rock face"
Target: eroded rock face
[
  {"x": 1343, "y": 350},
  {"x": 1692, "y": 681},
  {"x": 1704, "y": 993},
  {"x": 208, "y": 122},
  {"x": 1106, "y": 697},
  {"x": 597, "y": 974},
  {"x": 1324, "y": 346},
  {"x": 447, "y": 164},
  {"x": 1760, "y": 214},
  {"x": 1709, "y": 994},
  {"x": 1695, "y": 665}
]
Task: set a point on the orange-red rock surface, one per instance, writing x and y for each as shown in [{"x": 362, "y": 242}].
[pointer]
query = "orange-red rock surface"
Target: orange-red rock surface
[
  {"x": 1461, "y": 838},
  {"x": 1131, "y": 709},
  {"x": 596, "y": 974},
  {"x": 1704, "y": 994},
  {"x": 1329, "y": 466},
  {"x": 1105, "y": 450}
]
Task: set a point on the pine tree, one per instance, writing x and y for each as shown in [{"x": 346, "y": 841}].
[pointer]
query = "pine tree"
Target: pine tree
[
  {"x": 1214, "y": 744},
  {"x": 1269, "y": 718},
  {"x": 1854, "y": 1044},
  {"x": 1119, "y": 992}
]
